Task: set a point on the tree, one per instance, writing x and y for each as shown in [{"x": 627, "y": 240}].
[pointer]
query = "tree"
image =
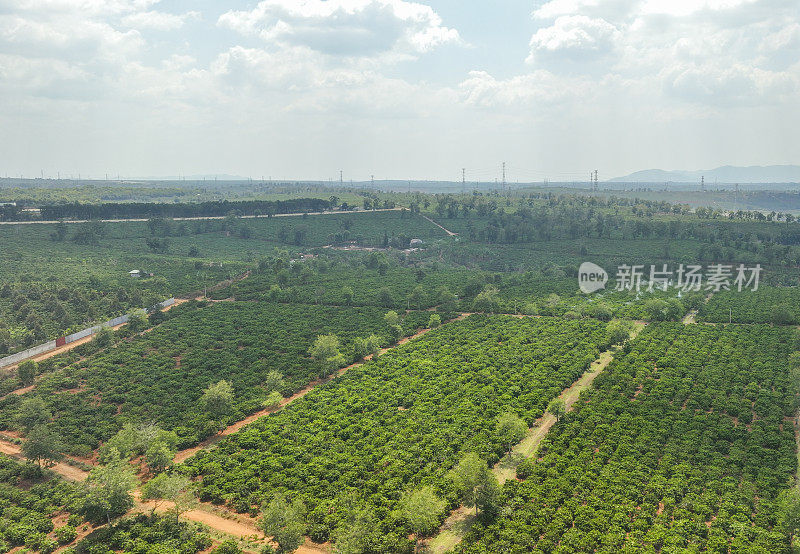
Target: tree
[
  {"x": 662, "y": 310},
  {"x": 273, "y": 399},
  {"x": 385, "y": 297},
  {"x": 391, "y": 318},
  {"x": 103, "y": 337},
  {"x": 325, "y": 351},
  {"x": 148, "y": 440},
  {"x": 43, "y": 447},
  {"x": 285, "y": 522},
  {"x": 218, "y": 398},
  {"x": 364, "y": 347},
  {"x": 32, "y": 412},
  {"x": 393, "y": 321},
  {"x": 417, "y": 296},
  {"x": 422, "y": 509},
  {"x": 487, "y": 300},
  {"x": 177, "y": 489},
  {"x": 357, "y": 532},
  {"x": 511, "y": 428},
  {"x": 157, "y": 245},
  {"x": 618, "y": 331},
  {"x": 474, "y": 483},
  {"x": 782, "y": 315},
  {"x": 347, "y": 294},
  {"x": 434, "y": 321},
  {"x": 557, "y": 407},
  {"x": 274, "y": 381},
  {"x": 26, "y": 372},
  {"x": 445, "y": 299},
  {"x": 60, "y": 232},
  {"x": 159, "y": 457},
  {"x": 108, "y": 491},
  {"x": 137, "y": 321},
  {"x": 789, "y": 511}
]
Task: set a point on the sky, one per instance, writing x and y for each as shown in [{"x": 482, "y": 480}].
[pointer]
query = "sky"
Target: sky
[{"x": 301, "y": 89}]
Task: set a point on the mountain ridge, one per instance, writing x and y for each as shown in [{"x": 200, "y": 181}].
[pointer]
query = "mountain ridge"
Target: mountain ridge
[{"x": 726, "y": 174}]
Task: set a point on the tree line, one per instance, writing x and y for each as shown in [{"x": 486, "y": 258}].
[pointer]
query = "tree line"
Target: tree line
[{"x": 128, "y": 210}]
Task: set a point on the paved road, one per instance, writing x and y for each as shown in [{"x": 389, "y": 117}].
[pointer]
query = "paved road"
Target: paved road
[{"x": 209, "y": 217}]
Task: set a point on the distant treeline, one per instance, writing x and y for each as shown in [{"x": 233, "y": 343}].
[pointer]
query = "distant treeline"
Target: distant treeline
[{"x": 172, "y": 210}]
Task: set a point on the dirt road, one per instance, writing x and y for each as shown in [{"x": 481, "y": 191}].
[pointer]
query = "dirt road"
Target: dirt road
[{"x": 460, "y": 520}]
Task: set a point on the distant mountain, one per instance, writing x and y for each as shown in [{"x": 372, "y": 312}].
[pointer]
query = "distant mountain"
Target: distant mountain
[{"x": 724, "y": 174}]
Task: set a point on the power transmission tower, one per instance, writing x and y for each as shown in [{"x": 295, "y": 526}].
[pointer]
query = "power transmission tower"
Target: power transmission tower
[
  {"x": 340, "y": 178},
  {"x": 595, "y": 185},
  {"x": 372, "y": 182},
  {"x": 703, "y": 183},
  {"x": 504, "y": 178},
  {"x": 463, "y": 180}
]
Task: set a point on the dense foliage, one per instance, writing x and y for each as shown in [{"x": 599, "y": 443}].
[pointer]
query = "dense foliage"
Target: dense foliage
[
  {"x": 147, "y": 533},
  {"x": 26, "y": 514},
  {"x": 160, "y": 375},
  {"x": 683, "y": 444},
  {"x": 778, "y": 305},
  {"x": 377, "y": 280},
  {"x": 31, "y": 313},
  {"x": 173, "y": 209},
  {"x": 401, "y": 421}
]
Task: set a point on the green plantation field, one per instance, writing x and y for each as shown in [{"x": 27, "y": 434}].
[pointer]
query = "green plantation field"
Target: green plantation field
[
  {"x": 683, "y": 445},
  {"x": 51, "y": 287},
  {"x": 160, "y": 376},
  {"x": 375, "y": 279},
  {"x": 369, "y": 281},
  {"x": 51, "y": 283},
  {"x": 26, "y": 514},
  {"x": 682, "y": 439},
  {"x": 401, "y": 421},
  {"x": 32, "y": 313},
  {"x": 41, "y": 514},
  {"x": 779, "y": 305}
]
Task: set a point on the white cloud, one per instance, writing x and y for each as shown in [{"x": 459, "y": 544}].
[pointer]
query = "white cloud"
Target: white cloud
[
  {"x": 540, "y": 88},
  {"x": 573, "y": 37},
  {"x": 683, "y": 8},
  {"x": 87, "y": 8},
  {"x": 294, "y": 71},
  {"x": 159, "y": 21},
  {"x": 705, "y": 52},
  {"x": 357, "y": 28}
]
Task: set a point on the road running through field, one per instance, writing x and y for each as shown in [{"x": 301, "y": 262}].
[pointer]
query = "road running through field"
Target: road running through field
[
  {"x": 184, "y": 455},
  {"x": 461, "y": 519}
]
